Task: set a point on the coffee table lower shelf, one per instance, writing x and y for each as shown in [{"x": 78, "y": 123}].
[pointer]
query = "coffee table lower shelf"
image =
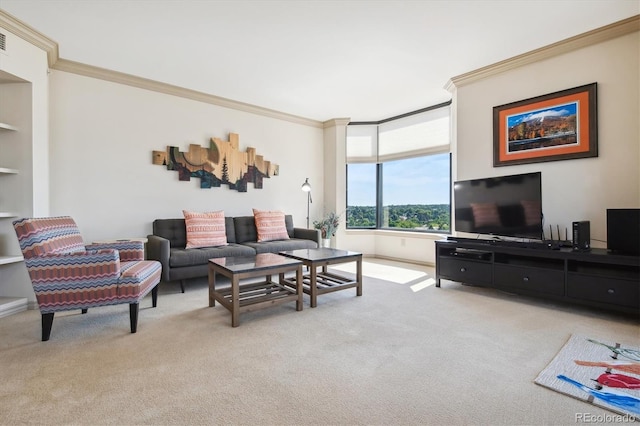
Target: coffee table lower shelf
[
  {"x": 256, "y": 295},
  {"x": 326, "y": 282}
]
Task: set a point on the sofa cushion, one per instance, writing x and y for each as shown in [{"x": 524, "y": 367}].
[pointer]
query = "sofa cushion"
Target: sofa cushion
[
  {"x": 175, "y": 231},
  {"x": 205, "y": 229},
  {"x": 180, "y": 257},
  {"x": 281, "y": 245},
  {"x": 270, "y": 225}
]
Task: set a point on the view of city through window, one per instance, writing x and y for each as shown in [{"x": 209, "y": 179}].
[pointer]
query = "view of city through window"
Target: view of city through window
[{"x": 415, "y": 194}]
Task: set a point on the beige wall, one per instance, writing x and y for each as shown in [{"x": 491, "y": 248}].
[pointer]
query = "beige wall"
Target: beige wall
[
  {"x": 572, "y": 190},
  {"x": 102, "y": 137}
]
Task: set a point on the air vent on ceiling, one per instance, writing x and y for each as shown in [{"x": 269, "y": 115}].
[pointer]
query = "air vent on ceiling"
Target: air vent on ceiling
[{"x": 3, "y": 42}]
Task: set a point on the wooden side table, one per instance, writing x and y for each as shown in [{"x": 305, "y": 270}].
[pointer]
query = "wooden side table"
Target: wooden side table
[
  {"x": 316, "y": 283},
  {"x": 240, "y": 297}
]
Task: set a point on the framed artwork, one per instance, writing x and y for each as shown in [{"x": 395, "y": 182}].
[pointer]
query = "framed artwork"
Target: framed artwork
[{"x": 557, "y": 126}]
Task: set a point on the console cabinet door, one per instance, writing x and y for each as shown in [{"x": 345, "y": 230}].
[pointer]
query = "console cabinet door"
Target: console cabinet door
[
  {"x": 612, "y": 291},
  {"x": 537, "y": 280},
  {"x": 465, "y": 271}
]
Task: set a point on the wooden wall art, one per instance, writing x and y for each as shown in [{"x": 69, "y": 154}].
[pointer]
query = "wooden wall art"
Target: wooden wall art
[{"x": 221, "y": 163}]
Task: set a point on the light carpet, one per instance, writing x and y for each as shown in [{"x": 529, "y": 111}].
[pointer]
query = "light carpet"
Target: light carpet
[
  {"x": 602, "y": 372},
  {"x": 456, "y": 355}
]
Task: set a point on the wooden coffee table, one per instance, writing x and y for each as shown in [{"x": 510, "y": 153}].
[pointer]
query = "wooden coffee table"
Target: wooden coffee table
[
  {"x": 316, "y": 283},
  {"x": 255, "y": 295}
]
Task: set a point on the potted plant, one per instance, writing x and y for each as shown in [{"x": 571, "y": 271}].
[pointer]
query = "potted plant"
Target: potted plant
[{"x": 328, "y": 227}]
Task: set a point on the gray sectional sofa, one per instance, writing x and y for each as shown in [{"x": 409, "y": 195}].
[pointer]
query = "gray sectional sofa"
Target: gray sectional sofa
[{"x": 169, "y": 238}]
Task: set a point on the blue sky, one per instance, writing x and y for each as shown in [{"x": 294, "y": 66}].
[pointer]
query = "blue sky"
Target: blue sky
[
  {"x": 558, "y": 111},
  {"x": 421, "y": 180}
]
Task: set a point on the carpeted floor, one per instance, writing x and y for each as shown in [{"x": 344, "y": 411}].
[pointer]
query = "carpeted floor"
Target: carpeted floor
[
  {"x": 405, "y": 353},
  {"x": 604, "y": 373}
]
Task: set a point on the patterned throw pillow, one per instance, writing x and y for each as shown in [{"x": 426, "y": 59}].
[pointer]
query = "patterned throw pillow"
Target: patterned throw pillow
[
  {"x": 485, "y": 214},
  {"x": 205, "y": 229},
  {"x": 270, "y": 225}
]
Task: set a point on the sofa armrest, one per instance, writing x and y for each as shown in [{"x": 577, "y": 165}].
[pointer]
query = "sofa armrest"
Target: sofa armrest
[
  {"x": 307, "y": 234},
  {"x": 158, "y": 248}
]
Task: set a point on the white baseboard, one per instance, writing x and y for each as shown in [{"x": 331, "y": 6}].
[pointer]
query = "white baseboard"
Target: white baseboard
[{"x": 12, "y": 305}]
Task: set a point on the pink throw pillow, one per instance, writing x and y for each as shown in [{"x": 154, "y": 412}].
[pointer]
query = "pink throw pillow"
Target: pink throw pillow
[
  {"x": 205, "y": 229},
  {"x": 270, "y": 225}
]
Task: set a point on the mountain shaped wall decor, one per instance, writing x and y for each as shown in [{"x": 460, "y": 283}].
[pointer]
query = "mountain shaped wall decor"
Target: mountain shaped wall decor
[{"x": 221, "y": 163}]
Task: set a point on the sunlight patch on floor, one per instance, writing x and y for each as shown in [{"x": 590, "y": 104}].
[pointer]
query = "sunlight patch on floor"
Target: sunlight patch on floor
[
  {"x": 422, "y": 285},
  {"x": 386, "y": 272}
]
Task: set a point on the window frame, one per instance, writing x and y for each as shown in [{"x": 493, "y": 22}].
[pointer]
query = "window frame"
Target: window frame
[{"x": 379, "y": 210}]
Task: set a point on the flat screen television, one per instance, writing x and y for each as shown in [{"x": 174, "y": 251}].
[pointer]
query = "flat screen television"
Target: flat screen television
[{"x": 509, "y": 206}]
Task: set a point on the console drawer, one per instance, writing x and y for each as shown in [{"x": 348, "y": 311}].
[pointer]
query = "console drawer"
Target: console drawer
[
  {"x": 537, "y": 280},
  {"x": 604, "y": 290},
  {"x": 465, "y": 271}
]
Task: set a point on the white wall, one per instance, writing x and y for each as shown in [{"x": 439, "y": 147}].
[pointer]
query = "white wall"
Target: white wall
[
  {"x": 102, "y": 138},
  {"x": 572, "y": 190}
]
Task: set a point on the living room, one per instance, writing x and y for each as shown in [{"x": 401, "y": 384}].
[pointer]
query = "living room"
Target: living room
[
  {"x": 122, "y": 137},
  {"x": 94, "y": 131}
]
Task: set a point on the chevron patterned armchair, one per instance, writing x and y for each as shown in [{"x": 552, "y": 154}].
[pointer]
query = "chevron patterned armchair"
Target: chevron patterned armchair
[{"x": 67, "y": 274}]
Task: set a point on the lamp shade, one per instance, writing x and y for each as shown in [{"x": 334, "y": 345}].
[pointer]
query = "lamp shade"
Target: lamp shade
[{"x": 306, "y": 186}]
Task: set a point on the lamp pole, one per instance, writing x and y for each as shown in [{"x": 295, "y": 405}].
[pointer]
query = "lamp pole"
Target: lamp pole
[{"x": 306, "y": 187}]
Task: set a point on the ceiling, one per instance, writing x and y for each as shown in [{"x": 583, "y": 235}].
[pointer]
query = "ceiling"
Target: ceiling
[{"x": 358, "y": 59}]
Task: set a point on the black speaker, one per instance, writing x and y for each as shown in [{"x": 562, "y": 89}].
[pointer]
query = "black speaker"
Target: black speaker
[
  {"x": 623, "y": 231},
  {"x": 581, "y": 235}
]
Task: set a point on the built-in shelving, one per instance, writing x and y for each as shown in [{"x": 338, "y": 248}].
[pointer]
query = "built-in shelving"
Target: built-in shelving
[
  {"x": 10, "y": 305},
  {"x": 24, "y": 89}
]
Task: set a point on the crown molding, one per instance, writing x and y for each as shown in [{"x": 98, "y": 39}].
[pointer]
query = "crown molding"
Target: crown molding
[
  {"x": 169, "y": 89},
  {"x": 608, "y": 32},
  {"x": 31, "y": 35},
  {"x": 335, "y": 122}
]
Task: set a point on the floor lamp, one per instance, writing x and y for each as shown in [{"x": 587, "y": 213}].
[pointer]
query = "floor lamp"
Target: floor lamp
[{"x": 306, "y": 187}]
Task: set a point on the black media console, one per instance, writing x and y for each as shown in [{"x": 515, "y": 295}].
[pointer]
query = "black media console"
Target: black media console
[{"x": 594, "y": 278}]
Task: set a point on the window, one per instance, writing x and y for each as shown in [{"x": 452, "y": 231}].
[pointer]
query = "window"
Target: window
[
  {"x": 361, "y": 195},
  {"x": 399, "y": 172}
]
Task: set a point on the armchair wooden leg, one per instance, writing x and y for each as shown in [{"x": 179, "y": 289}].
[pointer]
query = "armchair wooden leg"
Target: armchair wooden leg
[
  {"x": 182, "y": 285},
  {"x": 84, "y": 311},
  {"x": 154, "y": 296},
  {"x": 47, "y": 322},
  {"x": 133, "y": 316}
]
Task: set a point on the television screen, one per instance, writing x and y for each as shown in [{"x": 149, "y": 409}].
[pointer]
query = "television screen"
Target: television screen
[{"x": 504, "y": 205}]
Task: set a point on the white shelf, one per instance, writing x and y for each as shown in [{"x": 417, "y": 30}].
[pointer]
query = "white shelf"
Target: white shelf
[
  {"x": 12, "y": 305},
  {"x": 8, "y": 171},
  {"x": 6, "y": 260},
  {"x": 8, "y": 214},
  {"x": 5, "y": 126}
]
